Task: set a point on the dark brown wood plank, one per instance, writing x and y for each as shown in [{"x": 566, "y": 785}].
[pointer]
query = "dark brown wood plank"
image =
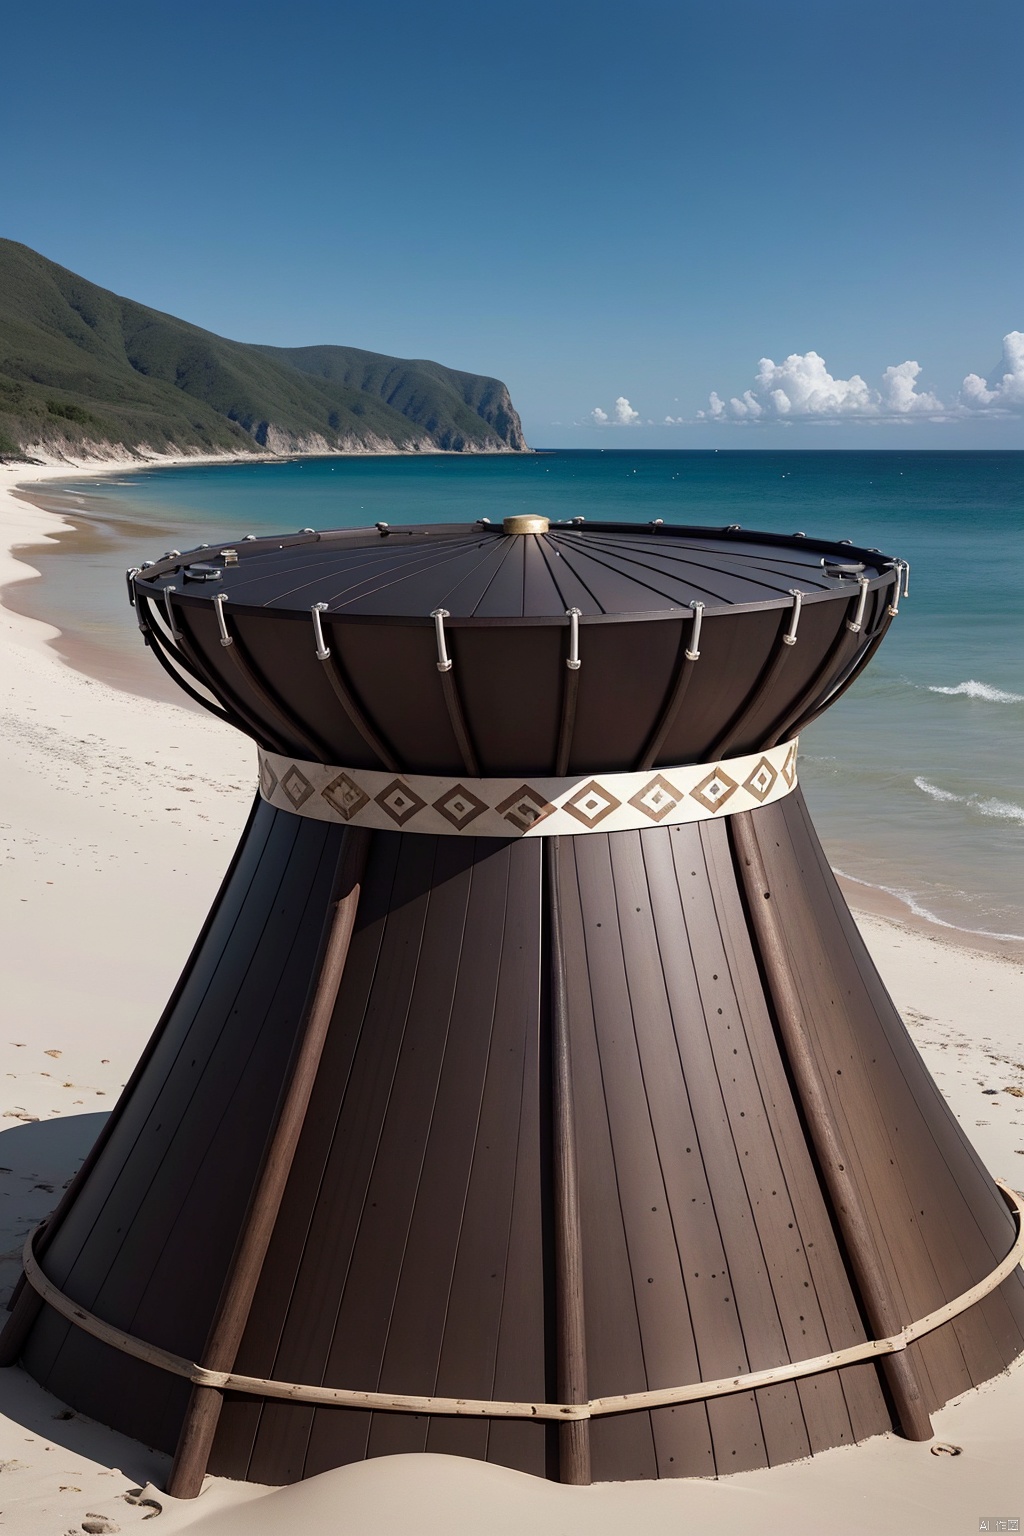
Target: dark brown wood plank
[
  {"x": 261, "y": 1341},
  {"x": 147, "y": 1127},
  {"x": 318, "y": 1292},
  {"x": 375, "y": 1266},
  {"x": 504, "y": 595},
  {"x": 841, "y": 1323},
  {"x": 175, "y": 1221},
  {"x": 621, "y": 1447},
  {"x": 669, "y": 1351},
  {"x": 412, "y": 1348},
  {"x": 708, "y": 1290},
  {"x": 467, "y": 1363},
  {"x": 950, "y": 1199}
]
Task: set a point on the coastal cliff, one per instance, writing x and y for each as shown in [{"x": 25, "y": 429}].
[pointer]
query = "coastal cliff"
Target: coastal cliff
[{"x": 85, "y": 371}]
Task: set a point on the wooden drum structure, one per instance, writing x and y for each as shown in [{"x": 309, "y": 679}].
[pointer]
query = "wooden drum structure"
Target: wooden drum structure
[{"x": 529, "y": 1094}]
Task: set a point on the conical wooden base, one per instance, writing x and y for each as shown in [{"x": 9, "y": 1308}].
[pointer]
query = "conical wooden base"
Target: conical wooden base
[{"x": 417, "y": 1250}]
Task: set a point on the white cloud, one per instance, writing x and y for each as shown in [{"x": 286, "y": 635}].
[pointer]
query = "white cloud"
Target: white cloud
[
  {"x": 803, "y": 387},
  {"x": 622, "y": 415},
  {"x": 1006, "y": 393},
  {"x": 899, "y": 392}
]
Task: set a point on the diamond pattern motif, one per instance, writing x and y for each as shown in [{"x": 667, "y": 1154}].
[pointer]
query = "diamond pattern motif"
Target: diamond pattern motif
[
  {"x": 656, "y": 799},
  {"x": 592, "y": 804},
  {"x": 460, "y": 806},
  {"x": 616, "y": 802},
  {"x": 713, "y": 791},
  {"x": 524, "y": 808},
  {"x": 399, "y": 801},
  {"x": 344, "y": 796},
  {"x": 268, "y": 779},
  {"x": 761, "y": 782},
  {"x": 296, "y": 786}
]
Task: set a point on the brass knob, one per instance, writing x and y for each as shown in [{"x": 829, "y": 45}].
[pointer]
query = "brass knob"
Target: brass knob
[{"x": 525, "y": 524}]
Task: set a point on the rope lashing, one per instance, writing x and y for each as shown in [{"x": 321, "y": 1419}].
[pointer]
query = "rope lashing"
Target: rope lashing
[
  {"x": 444, "y": 662},
  {"x": 572, "y": 661},
  {"x": 629, "y": 1402}
]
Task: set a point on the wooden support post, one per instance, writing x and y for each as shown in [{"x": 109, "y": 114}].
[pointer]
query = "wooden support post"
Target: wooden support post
[
  {"x": 200, "y": 1424},
  {"x": 875, "y": 1294},
  {"x": 573, "y": 1436}
]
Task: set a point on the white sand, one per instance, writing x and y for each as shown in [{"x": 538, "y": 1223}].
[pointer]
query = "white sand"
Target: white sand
[{"x": 117, "y": 819}]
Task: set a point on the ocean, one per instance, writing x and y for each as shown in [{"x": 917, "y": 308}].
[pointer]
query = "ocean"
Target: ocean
[{"x": 915, "y": 778}]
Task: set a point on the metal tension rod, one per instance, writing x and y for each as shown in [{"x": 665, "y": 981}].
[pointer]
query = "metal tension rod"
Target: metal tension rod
[
  {"x": 836, "y": 658},
  {"x": 570, "y": 692},
  {"x": 872, "y": 640},
  {"x": 785, "y": 643},
  {"x": 203, "y": 1413},
  {"x": 256, "y": 684},
  {"x": 338, "y": 680},
  {"x": 844, "y": 1196},
  {"x": 449, "y": 687},
  {"x": 674, "y": 703},
  {"x": 573, "y": 1436}
]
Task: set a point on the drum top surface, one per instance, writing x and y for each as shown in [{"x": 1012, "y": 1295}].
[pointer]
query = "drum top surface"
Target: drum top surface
[{"x": 477, "y": 572}]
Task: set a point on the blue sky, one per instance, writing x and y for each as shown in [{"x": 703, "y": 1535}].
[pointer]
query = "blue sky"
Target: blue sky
[{"x": 597, "y": 203}]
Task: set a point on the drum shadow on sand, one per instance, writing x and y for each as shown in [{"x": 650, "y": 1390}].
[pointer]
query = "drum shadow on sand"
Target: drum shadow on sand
[{"x": 37, "y": 1161}]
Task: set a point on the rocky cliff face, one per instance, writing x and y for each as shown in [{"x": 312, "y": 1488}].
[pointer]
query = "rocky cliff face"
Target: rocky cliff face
[
  {"x": 497, "y": 410},
  {"x": 84, "y": 367}
]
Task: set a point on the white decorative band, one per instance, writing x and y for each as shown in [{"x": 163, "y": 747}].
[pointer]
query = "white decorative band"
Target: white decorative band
[{"x": 533, "y": 807}]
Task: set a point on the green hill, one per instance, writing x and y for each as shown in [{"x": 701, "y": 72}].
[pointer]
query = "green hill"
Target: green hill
[{"x": 80, "y": 367}]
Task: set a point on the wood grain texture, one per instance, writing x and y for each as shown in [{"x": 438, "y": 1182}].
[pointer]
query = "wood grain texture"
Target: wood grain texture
[{"x": 415, "y": 1247}]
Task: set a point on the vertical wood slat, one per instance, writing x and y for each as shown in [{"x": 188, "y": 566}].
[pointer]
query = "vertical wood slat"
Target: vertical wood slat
[
  {"x": 25, "y": 1303},
  {"x": 285, "y": 717},
  {"x": 832, "y": 1157},
  {"x": 943, "y": 1223},
  {"x": 574, "y": 1437},
  {"x": 248, "y": 721},
  {"x": 845, "y": 1403},
  {"x": 621, "y": 1446},
  {"x": 199, "y": 1427},
  {"x": 357, "y": 716},
  {"x": 460, "y": 729},
  {"x": 333, "y": 1164},
  {"x": 729, "y": 734},
  {"x": 567, "y": 724}
]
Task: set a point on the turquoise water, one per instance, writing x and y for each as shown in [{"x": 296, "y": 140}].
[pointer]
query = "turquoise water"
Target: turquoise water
[{"x": 916, "y": 778}]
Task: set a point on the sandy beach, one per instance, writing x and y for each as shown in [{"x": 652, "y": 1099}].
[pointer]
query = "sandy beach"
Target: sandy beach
[{"x": 119, "y": 815}]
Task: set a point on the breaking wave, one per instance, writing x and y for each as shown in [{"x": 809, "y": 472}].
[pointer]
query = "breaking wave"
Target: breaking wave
[
  {"x": 1000, "y": 810},
  {"x": 910, "y": 900},
  {"x": 975, "y": 690}
]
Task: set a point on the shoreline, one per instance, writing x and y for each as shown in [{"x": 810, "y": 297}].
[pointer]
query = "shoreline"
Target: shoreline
[
  {"x": 23, "y": 483},
  {"x": 120, "y": 813}
]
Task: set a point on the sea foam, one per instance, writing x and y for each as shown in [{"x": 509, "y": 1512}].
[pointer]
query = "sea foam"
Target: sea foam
[
  {"x": 1001, "y": 810},
  {"x": 975, "y": 690},
  {"x": 910, "y": 900}
]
